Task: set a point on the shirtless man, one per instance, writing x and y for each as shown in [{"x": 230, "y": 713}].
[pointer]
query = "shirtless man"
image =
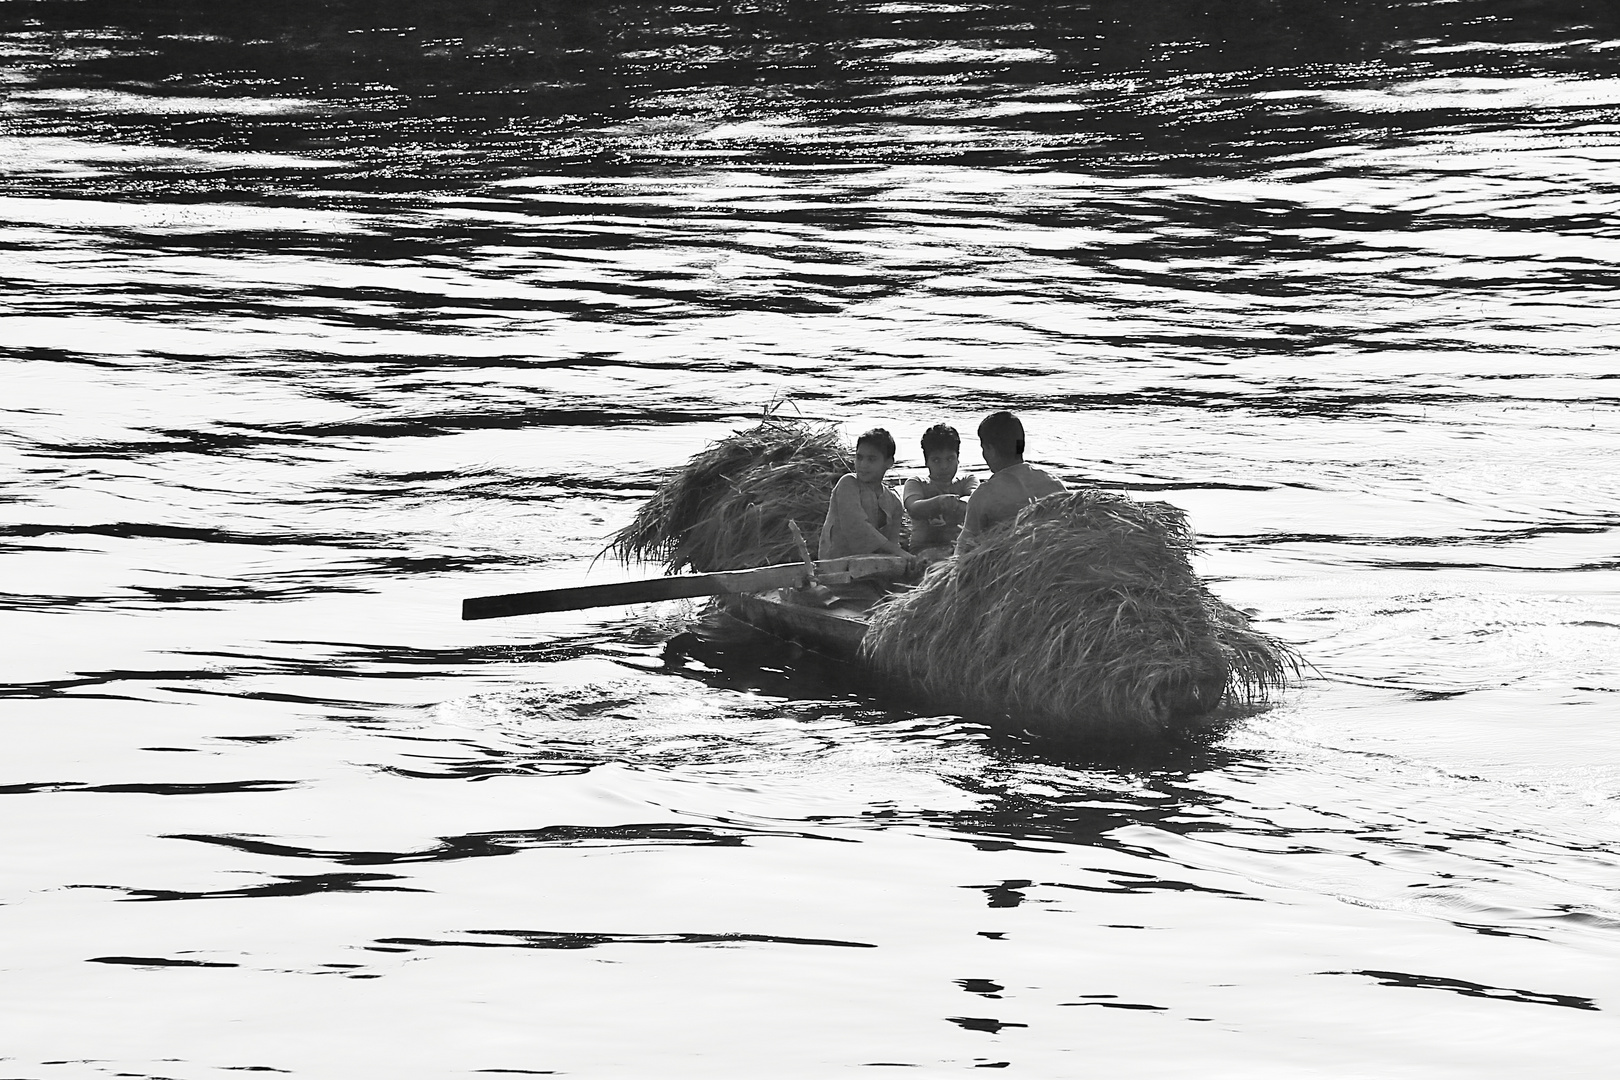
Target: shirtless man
[
  {"x": 1014, "y": 485},
  {"x": 863, "y": 515}
]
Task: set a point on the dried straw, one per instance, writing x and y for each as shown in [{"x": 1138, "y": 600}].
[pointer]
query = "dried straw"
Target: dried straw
[
  {"x": 729, "y": 506},
  {"x": 1083, "y": 617}
]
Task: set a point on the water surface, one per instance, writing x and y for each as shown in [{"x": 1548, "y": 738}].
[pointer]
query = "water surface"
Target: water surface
[{"x": 318, "y": 318}]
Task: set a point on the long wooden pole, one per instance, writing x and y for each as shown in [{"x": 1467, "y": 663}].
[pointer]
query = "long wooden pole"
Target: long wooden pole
[{"x": 757, "y": 579}]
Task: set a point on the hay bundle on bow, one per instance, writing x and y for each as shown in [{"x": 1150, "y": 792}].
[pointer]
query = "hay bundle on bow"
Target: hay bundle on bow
[
  {"x": 729, "y": 506},
  {"x": 1083, "y": 616}
]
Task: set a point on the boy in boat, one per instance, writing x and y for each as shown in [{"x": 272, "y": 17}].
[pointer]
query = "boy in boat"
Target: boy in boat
[
  {"x": 938, "y": 504},
  {"x": 1012, "y": 487},
  {"x": 863, "y": 515}
]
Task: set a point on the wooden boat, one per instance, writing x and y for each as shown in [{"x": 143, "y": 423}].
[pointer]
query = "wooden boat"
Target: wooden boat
[
  {"x": 1179, "y": 677},
  {"x": 1084, "y": 617},
  {"x": 820, "y": 605},
  {"x": 833, "y": 630}
]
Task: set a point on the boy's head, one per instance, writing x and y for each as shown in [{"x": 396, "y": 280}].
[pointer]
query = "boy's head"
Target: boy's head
[
  {"x": 1001, "y": 437},
  {"x": 874, "y": 454},
  {"x": 942, "y": 453}
]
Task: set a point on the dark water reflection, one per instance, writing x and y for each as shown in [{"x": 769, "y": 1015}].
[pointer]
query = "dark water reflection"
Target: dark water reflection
[{"x": 419, "y": 100}]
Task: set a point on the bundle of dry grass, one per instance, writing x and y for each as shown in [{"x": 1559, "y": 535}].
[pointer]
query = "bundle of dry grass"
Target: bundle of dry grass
[
  {"x": 729, "y": 506},
  {"x": 1083, "y": 617}
]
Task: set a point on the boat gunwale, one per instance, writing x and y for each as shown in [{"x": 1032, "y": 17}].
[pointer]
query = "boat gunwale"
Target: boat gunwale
[{"x": 835, "y": 632}]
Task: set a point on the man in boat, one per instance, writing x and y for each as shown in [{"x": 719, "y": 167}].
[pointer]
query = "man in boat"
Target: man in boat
[
  {"x": 863, "y": 514},
  {"x": 1013, "y": 486},
  {"x": 937, "y": 504}
]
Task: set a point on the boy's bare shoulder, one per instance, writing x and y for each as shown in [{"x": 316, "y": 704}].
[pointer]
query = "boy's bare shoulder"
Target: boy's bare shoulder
[
  {"x": 1051, "y": 482},
  {"x": 993, "y": 485}
]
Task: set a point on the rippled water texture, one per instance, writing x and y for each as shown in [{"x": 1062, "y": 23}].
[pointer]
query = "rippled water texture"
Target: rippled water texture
[{"x": 318, "y": 318}]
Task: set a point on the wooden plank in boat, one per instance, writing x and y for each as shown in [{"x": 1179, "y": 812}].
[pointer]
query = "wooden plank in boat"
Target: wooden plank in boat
[{"x": 835, "y": 631}]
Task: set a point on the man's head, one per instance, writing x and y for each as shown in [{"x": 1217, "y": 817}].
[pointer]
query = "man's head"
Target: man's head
[
  {"x": 942, "y": 453},
  {"x": 874, "y": 454},
  {"x": 1001, "y": 438}
]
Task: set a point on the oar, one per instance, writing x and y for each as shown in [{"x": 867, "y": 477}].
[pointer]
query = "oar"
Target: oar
[{"x": 758, "y": 579}]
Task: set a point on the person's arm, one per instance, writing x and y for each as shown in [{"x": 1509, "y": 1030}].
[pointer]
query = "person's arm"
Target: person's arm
[
  {"x": 847, "y": 526},
  {"x": 892, "y": 515},
  {"x": 972, "y": 522},
  {"x": 917, "y": 504},
  {"x": 948, "y": 506},
  {"x": 913, "y": 500}
]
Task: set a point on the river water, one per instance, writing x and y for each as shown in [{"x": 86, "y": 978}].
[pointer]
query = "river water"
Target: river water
[{"x": 319, "y": 317}]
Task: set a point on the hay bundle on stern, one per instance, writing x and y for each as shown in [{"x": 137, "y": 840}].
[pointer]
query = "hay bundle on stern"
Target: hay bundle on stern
[
  {"x": 729, "y": 506},
  {"x": 1082, "y": 618}
]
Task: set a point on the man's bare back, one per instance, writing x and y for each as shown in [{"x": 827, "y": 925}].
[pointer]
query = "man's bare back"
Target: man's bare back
[
  {"x": 998, "y": 499},
  {"x": 1013, "y": 486}
]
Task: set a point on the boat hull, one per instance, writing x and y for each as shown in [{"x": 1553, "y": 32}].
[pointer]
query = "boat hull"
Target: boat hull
[
  {"x": 837, "y": 632},
  {"x": 834, "y": 631}
]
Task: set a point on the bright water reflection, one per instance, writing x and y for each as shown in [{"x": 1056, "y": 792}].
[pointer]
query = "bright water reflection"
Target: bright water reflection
[{"x": 317, "y": 322}]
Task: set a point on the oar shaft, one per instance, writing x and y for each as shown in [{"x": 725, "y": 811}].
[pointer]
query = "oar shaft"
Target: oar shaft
[
  {"x": 758, "y": 579},
  {"x": 634, "y": 592}
]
